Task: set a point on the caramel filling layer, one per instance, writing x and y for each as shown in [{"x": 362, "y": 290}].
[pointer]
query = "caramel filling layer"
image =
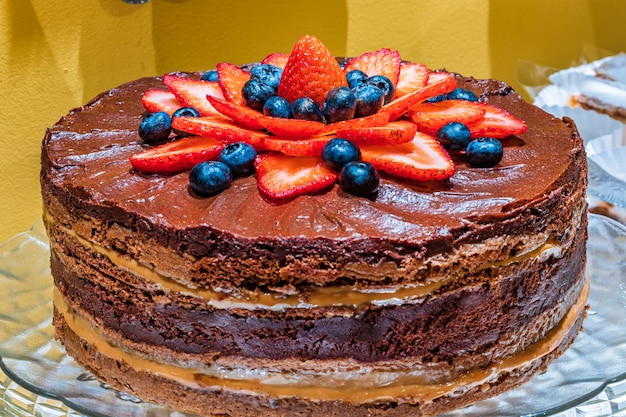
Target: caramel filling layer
[
  {"x": 359, "y": 388},
  {"x": 318, "y": 296}
]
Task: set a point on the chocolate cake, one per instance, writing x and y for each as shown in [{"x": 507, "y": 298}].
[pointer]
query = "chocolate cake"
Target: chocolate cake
[{"x": 423, "y": 298}]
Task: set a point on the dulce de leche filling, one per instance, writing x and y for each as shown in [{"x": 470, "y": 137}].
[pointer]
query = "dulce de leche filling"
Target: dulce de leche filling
[
  {"x": 358, "y": 387},
  {"x": 318, "y": 296}
]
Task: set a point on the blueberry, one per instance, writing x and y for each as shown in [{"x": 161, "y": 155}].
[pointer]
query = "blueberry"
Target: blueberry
[
  {"x": 359, "y": 178},
  {"x": 340, "y": 104},
  {"x": 256, "y": 93},
  {"x": 306, "y": 108},
  {"x": 484, "y": 152},
  {"x": 356, "y": 78},
  {"x": 210, "y": 75},
  {"x": 385, "y": 85},
  {"x": 239, "y": 157},
  {"x": 210, "y": 178},
  {"x": 276, "y": 106},
  {"x": 454, "y": 136},
  {"x": 440, "y": 97},
  {"x": 268, "y": 74},
  {"x": 184, "y": 112},
  {"x": 369, "y": 99},
  {"x": 338, "y": 152},
  {"x": 155, "y": 127},
  {"x": 461, "y": 94}
]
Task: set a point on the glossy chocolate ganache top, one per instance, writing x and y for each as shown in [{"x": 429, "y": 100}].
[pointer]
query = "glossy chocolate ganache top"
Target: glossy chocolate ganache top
[{"x": 86, "y": 161}]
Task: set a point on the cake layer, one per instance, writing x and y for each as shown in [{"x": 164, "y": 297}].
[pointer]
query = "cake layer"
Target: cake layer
[
  {"x": 257, "y": 397},
  {"x": 496, "y": 311},
  {"x": 238, "y": 240}
]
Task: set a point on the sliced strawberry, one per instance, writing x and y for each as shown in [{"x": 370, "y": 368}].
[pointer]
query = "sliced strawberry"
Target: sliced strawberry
[
  {"x": 231, "y": 80},
  {"x": 178, "y": 156},
  {"x": 218, "y": 127},
  {"x": 399, "y": 106},
  {"x": 244, "y": 116},
  {"x": 422, "y": 159},
  {"x": 430, "y": 117},
  {"x": 192, "y": 93},
  {"x": 160, "y": 100},
  {"x": 292, "y": 128},
  {"x": 400, "y": 131},
  {"x": 311, "y": 71},
  {"x": 282, "y": 177},
  {"x": 296, "y": 147},
  {"x": 382, "y": 62},
  {"x": 496, "y": 123},
  {"x": 277, "y": 59},
  {"x": 373, "y": 120},
  {"x": 437, "y": 76},
  {"x": 413, "y": 76}
]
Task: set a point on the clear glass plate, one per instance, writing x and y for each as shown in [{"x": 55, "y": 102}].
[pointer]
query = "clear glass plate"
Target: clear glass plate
[{"x": 37, "y": 378}]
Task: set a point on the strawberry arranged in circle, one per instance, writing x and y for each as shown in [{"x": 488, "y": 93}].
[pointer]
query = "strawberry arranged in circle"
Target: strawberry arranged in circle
[
  {"x": 155, "y": 100},
  {"x": 282, "y": 177},
  {"x": 292, "y": 128},
  {"x": 393, "y": 133},
  {"x": 382, "y": 62},
  {"x": 311, "y": 71},
  {"x": 373, "y": 120},
  {"x": 441, "y": 83},
  {"x": 290, "y": 163},
  {"x": 496, "y": 123},
  {"x": 296, "y": 147},
  {"x": 413, "y": 76},
  {"x": 422, "y": 159},
  {"x": 430, "y": 117},
  {"x": 178, "y": 156},
  {"x": 218, "y": 127},
  {"x": 244, "y": 116},
  {"x": 231, "y": 80},
  {"x": 192, "y": 93},
  {"x": 276, "y": 59}
]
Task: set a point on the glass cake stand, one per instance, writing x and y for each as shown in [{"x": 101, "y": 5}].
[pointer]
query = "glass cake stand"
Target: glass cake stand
[{"x": 38, "y": 379}]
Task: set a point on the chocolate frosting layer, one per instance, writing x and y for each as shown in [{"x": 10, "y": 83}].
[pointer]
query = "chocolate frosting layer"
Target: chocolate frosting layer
[{"x": 85, "y": 156}]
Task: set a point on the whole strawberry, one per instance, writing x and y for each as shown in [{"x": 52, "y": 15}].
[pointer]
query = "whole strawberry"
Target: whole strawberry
[{"x": 311, "y": 71}]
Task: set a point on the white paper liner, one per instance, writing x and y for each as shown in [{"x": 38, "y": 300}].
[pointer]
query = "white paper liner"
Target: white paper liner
[
  {"x": 604, "y": 137},
  {"x": 609, "y": 152}
]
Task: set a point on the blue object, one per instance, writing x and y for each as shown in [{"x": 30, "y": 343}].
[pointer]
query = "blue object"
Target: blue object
[
  {"x": 385, "y": 85},
  {"x": 461, "y": 94},
  {"x": 359, "y": 178},
  {"x": 440, "y": 97},
  {"x": 356, "y": 78},
  {"x": 239, "y": 157},
  {"x": 256, "y": 93},
  {"x": 307, "y": 109},
  {"x": 338, "y": 152},
  {"x": 340, "y": 104},
  {"x": 184, "y": 112},
  {"x": 369, "y": 99},
  {"x": 484, "y": 152},
  {"x": 155, "y": 127},
  {"x": 210, "y": 178},
  {"x": 276, "y": 106},
  {"x": 268, "y": 74},
  {"x": 454, "y": 136},
  {"x": 210, "y": 75}
]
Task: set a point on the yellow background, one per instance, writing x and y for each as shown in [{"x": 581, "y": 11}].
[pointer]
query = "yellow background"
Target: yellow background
[{"x": 56, "y": 55}]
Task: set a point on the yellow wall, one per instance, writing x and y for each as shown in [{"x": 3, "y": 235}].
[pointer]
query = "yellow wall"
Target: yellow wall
[{"x": 57, "y": 55}]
